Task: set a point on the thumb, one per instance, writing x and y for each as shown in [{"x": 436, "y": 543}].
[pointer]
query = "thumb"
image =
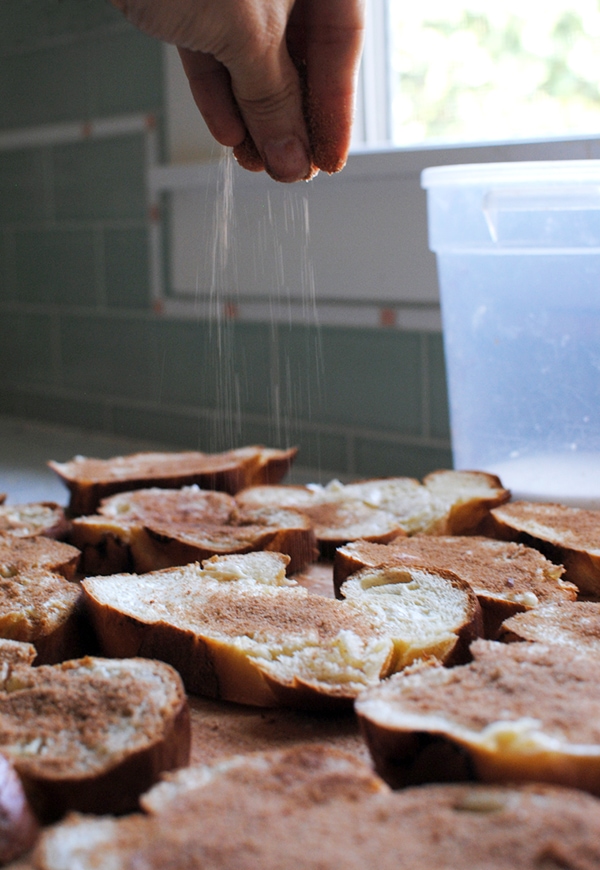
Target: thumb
[{"x": 268, "y": 93}]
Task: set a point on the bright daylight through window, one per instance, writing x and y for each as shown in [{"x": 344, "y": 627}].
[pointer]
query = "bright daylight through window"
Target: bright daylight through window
[{"x": 477, "y": 71}]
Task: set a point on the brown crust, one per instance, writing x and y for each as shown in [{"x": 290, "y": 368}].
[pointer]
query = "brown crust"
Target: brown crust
[{"x": 91, "y": 480}]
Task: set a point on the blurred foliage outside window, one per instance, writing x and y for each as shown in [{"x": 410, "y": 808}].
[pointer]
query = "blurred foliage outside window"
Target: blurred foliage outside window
[{"x": 475, "y": 71}]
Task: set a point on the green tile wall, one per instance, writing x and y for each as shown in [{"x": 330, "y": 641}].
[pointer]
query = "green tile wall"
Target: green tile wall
[{"x": 79, "y": 342}]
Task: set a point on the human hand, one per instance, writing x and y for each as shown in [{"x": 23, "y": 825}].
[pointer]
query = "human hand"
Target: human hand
[{"x": 273, "y": 79}]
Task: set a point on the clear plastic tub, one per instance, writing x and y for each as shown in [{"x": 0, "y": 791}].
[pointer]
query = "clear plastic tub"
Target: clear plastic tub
[{"x": 518, "y": 254}]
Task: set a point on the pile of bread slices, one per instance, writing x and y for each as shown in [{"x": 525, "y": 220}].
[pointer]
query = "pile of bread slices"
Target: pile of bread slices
[{"x": 203, "y": 667}]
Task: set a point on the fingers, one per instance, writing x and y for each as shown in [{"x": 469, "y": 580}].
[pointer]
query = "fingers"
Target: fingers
[
  {"x": 333, "y": 35},
  {"x": 210, "y": 85}
]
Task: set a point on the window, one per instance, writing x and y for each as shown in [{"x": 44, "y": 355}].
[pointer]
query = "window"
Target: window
[{"x": 448, "y": 71}]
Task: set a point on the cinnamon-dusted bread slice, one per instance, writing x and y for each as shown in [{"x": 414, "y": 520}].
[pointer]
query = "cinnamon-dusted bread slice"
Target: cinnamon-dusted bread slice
[
  {"x": 447, "y": 502},
  {"x": 569, "y": 536},
  {"x": 238, "y": 629},
  {"x": 92, "y": 734},
  {"x": 18, "y": 553},
  {"x": 150, "y": 529},
  {"x": 427, "y": 613},
  {"x": 519, "y": 712},
  {"x": 506, "y": 577},
  {"x": 36, "y": 518},
  {"x": 310, "y": 808},
  {"x": 574, "y": 623},
  {"x": 90, "y": 480},
  {"x": 15, "y": 652},
  {"x": 42, "y": 608}
]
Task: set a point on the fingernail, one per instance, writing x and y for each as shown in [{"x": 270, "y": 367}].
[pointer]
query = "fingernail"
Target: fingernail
[{"x": 286, "y": 159}]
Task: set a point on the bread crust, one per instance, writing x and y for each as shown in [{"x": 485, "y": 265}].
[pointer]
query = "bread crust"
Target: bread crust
[{"x": 91, "y": 480}]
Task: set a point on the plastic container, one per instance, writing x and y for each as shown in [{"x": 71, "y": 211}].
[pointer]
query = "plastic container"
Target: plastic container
[{"x": 518, "y": 254}]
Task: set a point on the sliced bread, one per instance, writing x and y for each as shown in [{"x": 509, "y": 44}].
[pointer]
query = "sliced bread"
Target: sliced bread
[
  {"x": 150, "y": 529},
  {"x": 506, "y": 577},
  {"x": 569, "y": 536},
  {"x": 92, "y": 734},
  {"x": 18, "y": 553},
  {"x": 36, "y": 518},
  {"x": 519, "y": 712},
  {"x": 313, "y": 808},
  {"x": 574, "y": 623},
  {"x": 90, "y": 480}
]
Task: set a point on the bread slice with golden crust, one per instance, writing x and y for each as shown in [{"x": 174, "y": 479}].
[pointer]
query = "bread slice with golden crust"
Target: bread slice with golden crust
[
  {"x": 35, "y": 518},
  {"x": 517, "y": 713},
  {"x": 567, "y": 535},
  {"x": 150, "y": 529},
  {"x": 312, "y": 807},
  {"x": 42, "y": 608},
  {"x": 506, "y": 577},
  {"x": 92, "y": 734},
  {"x": 90, "y": 480},
  {"x": 378, "y": 510},
  {"x": 237, "y": 629},
  {"x": 18, "y": 553},
  {"x": 572, "y": 623}
]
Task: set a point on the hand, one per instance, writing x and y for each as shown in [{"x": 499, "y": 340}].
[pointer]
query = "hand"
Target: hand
[{"x": 273, "y": 79}]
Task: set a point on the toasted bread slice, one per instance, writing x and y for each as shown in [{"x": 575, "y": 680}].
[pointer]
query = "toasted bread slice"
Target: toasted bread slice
[
  {"x": 92, "y": 734},
  {"x": 37, "y": 518},
  {"x": 427, "y": 613},
  {"x": 519, "y": 712},
  {"x": 567, "y": 535},
  {"x": 313, "y": 807},
  {"x": 379, "y": 510},
  {"x": 18, "y": 553},
  {"x": 574, "y": 623},
  {"x": 42, "y": 608},
  {"x": 90, "y": 480},
  {"x": 15, "y": 652},
  {"x": 506, "y": 577},
  {"x": 238, "y": 630},
  {"x": 150, "y": 529}
]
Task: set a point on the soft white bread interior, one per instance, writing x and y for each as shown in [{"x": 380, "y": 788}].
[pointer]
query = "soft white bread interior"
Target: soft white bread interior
[
  {"x": 518, "y": 712},
  {"x": 92, "y": 734},
  {"x": 574, "y": 623},
  {"x": 313, "y": 807},
  {"x": 150, "y": 529},
  {"x": 19, "y": 827},
  {"x": 506, "y": 577},
  {"x": 568, "y": 535},
  {"x": 18, "y": 553},
  {"x": 90, "y": 480},
  {"x": 427, "y": 613},
  {"x": 35, "y": 518},
  {"x": 236, "y": 628},
  {"x": 447, "y": 502}
]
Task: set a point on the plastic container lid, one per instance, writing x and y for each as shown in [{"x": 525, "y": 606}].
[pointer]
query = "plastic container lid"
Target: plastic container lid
[{"x": 524, "y": 172}]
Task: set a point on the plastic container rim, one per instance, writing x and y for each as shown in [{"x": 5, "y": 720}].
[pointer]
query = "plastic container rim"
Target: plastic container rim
[{"x": 530, "y": 172}]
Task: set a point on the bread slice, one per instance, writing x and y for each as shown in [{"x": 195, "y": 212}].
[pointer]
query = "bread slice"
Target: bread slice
[
  {"x": 427, "y": 613},
  {"x": 36, "y": 518},
  {"x": 42, "y": 608},
  {"x": 313, "y": 808},
  {"x": 567, "y": 535},
  {"x": 150, "y": 529},
  {"x": 18, "y": 553},
  {"x": 90, "y": 480},
  {"x": 506, "y": 577},
  {"x": 572, "y": 623},
  {"x": 519, "y": 712},
  {"x": 92, "y": 734},
  {"x": 447, "y": 502},
  {"x": 238, "y": 629}
]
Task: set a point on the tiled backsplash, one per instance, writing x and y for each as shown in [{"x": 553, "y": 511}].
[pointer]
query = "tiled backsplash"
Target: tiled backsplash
[{"x": 79, "y": 343}]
